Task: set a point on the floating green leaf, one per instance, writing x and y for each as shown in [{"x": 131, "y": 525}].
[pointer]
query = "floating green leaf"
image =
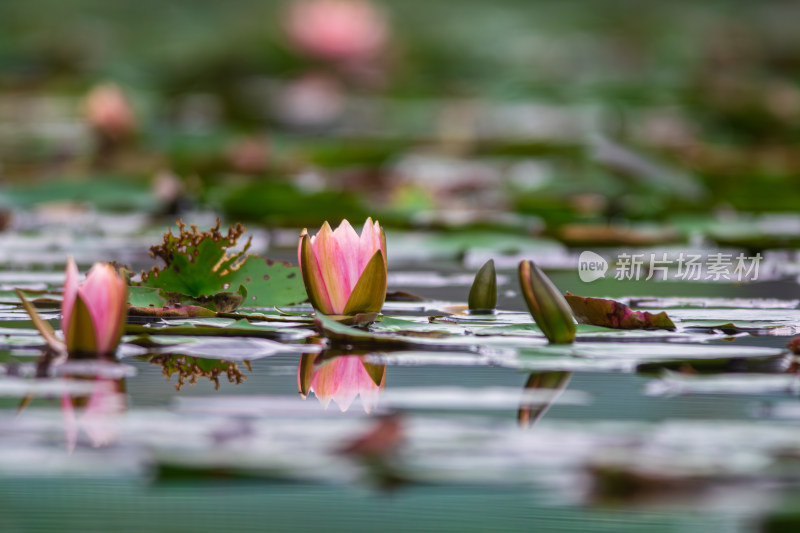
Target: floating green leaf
[{"x": 198, "y": 265}]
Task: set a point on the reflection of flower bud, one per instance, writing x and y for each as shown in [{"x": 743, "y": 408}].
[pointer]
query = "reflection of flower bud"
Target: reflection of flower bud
[
  {"x": 109, "y": 112},
  {"x": 105, "y": 401},
  {"x": 337, "y": 30},
  {"x": 549, "y": 308},
  {"x": 341, "y": 379},
  {"x": 93, "y": 312},
  {"x": 344, "y": 274}
]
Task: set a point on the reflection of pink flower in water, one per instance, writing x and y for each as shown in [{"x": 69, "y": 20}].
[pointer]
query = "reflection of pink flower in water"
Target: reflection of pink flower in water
[
  {"x": 338, "y": 30},
  {"x": 343, "y": 378},
  {"x": 104, "y": 402}
]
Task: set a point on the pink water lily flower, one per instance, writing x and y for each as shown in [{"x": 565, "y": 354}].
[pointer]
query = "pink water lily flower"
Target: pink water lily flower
[
  {"x": 93, "y": 312},
  {"x": 344, "y": 378},
  {"x": 337, "y": 30},
  {"x": 344, "y": 273}
]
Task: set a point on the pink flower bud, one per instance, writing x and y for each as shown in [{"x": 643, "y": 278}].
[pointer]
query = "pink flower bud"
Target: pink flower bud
[{"x": 93, "y": 312}]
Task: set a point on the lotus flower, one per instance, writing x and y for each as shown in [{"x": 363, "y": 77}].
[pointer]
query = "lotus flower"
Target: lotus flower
[
  {"x": 93, "y": 312},
  {"x": 337, "y": 30},
  {"x": 344, "y": 274},
  {"x": 342, "y": 379}
]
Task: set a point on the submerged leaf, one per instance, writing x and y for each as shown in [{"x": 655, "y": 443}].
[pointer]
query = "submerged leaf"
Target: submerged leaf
[
  {"x": 223, "y": 328},
  {"x": 342, "y": 335},
  {"x": 177, "y": 311},
  {"x": 613, "y": 314}
]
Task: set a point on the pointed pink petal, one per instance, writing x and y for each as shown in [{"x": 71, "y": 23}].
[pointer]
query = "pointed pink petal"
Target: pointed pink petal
[
  {"x": 70, "y": 290},
  {"x": 371, "y": 242},
  {"x": 347, "y": 241},
  {"x": 332, "y": 267},
  {"x": 102, "y": 294},
  {"x": 314, "y": 270}
]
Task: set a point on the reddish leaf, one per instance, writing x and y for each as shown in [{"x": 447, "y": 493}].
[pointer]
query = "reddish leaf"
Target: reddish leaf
[
  {"x": 613, "y": 314},
  {"x": 177, "y": 311}
]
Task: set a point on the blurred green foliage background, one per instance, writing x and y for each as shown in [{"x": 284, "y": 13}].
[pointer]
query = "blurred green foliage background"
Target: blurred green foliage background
[{"x": 540, "y": 116}]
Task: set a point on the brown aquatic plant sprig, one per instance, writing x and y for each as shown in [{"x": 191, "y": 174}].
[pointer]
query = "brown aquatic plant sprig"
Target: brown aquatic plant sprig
[
  {"x": 188, "y": 240},
  {"x": 187, "y": 368}
]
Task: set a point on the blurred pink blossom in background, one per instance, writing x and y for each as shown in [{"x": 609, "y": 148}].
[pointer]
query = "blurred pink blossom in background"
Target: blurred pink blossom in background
[
  {"x": 337, "y": 30},
  {"x": 109, "y": 112}
]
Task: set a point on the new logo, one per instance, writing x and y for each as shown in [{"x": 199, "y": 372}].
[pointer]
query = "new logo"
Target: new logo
[{"x": 591, "y": 266}]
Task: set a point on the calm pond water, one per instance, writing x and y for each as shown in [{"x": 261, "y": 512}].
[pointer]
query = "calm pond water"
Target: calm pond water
[{"x": 692, "y": 430}]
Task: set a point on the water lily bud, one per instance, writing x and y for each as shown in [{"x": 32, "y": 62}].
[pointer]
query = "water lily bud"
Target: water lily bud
[
  {"x": 341, "y": 379},
  {"x": 109, "y": 112},
  {"x": 344, "y": 274},
  {"x": 549, "y": 308},
  {"x": 93, "y": 312},
  {"x": 483, "y": 294},
  {"x": 337, "y": 30}
]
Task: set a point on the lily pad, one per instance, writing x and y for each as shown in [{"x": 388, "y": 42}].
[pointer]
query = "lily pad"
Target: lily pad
[
  {"x": 223, "y": 328},
  {"x": 204, "y": 264},
  {"x": 339, "y": 334}
]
